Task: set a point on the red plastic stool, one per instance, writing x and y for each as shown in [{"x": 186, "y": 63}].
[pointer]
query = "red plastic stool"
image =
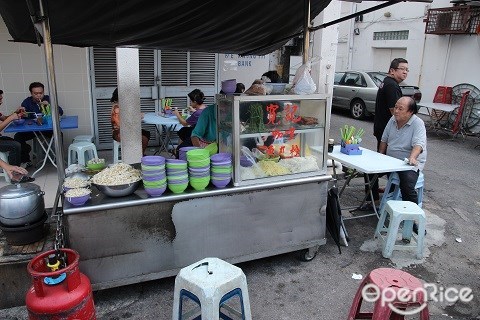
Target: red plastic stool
[{"x": 389, "y": 282}]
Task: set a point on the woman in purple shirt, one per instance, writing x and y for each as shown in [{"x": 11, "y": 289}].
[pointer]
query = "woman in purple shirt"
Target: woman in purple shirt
[{"x": 197, "y": 106}]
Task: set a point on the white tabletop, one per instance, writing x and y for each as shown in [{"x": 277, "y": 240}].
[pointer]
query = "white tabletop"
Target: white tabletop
[
  {"x": 153, "y": 118},
  {"x": 369, "y": 161},
  {"x": 438, "y": 106}
]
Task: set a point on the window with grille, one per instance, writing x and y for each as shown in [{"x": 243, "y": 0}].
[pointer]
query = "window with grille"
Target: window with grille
[{"x": 391, "y": 35}]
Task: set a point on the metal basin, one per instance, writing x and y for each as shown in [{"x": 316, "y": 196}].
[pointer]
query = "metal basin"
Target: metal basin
[{"x": 118, "y": 190}]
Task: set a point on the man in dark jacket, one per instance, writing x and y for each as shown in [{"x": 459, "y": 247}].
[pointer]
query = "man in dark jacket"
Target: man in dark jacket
[
  {"x": 36, "y": 103},
  {"x": 388, "y": 93}
]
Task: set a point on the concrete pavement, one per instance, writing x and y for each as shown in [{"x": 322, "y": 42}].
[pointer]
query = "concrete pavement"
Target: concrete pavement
[{"x": 283, "y": 287}]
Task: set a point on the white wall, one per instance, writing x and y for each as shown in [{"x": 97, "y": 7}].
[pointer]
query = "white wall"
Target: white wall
[
  {"x": 434, "y": 60},
  {"x": 22, "y": 64},
  {"x": 243, "y": 69}
]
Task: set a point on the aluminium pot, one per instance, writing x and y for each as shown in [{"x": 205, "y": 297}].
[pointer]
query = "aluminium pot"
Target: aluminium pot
[{"x": 21, "y": 204}]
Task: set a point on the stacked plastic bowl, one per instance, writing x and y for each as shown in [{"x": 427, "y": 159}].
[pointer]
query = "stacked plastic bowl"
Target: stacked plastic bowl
[
  {"x": 182, "y": 152},
  {"x": 153, "y": 174},
  {"x": 221, "y": 169},
  {"x": 177, "y": 175},
  {"x": 199, "y": 168}
]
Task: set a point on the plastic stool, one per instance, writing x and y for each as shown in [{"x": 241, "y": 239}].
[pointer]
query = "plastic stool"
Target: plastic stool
[
  {"x": 85, "y": 138},
  {"x": 392, "y": 280},
  {"x": 77, "y": 150},
  {"x": 210, "y": 284},
  {"x": 393, "y": 179},
  {"x": 407, "y": 212},
  {"x": 116, "y": 151},
  {"x": 4, "y": 157}
]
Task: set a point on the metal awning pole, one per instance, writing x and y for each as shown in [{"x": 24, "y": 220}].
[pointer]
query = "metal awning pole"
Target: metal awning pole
[
  {"x": 306, "y": 31},
  {"x": 47, "y": 44}
]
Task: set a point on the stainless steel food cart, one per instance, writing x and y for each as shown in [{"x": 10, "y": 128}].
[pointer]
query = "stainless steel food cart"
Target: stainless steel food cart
[{"x": 152, "y": 238}]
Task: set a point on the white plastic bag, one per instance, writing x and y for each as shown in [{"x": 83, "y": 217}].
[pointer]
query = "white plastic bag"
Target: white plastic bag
[{"x": 303, "y": 82}]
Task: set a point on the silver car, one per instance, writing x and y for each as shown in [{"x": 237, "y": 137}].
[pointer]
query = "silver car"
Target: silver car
[{"x": 357, "y": 90}]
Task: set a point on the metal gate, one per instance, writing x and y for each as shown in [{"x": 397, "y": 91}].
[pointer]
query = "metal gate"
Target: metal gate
[{"x": 163, "y": 74}]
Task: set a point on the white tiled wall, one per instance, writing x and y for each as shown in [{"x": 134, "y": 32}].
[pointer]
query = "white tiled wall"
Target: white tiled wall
[{"x": 22, "y": 64}]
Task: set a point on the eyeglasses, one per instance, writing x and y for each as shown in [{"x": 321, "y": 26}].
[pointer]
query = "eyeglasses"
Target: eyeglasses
[{"x": 403, "y": 69}]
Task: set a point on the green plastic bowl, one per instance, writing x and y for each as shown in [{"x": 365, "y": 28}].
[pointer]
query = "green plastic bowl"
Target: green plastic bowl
[
  {"x": 154, "y": 184},
  {"x": 198, "y": 154},
  {"x": 96, "y": 166},
  {"x": 178, "y": 188},
  {"x": 199, "y": 184}
]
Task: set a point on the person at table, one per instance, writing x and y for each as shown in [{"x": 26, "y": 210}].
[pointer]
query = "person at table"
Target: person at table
[
  {"x": 387, "y": 95},
  {"x": 32, "y": 105},
  {"x": 8, "y": 144},
  {"x": 197, "y": 105},
  {"x": 115, "y": 120},
  {"x": 205, "y": 132},
  {"x": 405, "y": 137},
  {"x": 14, "y": 171}
]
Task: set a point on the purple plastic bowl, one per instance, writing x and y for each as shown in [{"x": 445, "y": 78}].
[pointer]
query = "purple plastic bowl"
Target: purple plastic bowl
[
  {"x": 221, "y": 157},
  {"x": 147, "y": 173},
  {"x": 18, "y": 122},
  {"x": 199, "y": 169},
  {"x": 220, "y": 175},
  {"x": 153, "y": 160},
  {"x": 178, "y": 181},
  {"x": 151, "y": 168},
  {"x": 78, "y": 201},
  {"x": 220, "y": 183},
  {"x": 176, "y": 161},
  {"x": 229, "y": 86},
  {"x": 156, "y": 192},
  {"x": 244, "y": 162},
  {"x": 154, "y": 177}
]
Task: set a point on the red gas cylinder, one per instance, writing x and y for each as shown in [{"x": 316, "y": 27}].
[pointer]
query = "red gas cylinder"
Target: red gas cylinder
[{"x": 62, "y": 294}]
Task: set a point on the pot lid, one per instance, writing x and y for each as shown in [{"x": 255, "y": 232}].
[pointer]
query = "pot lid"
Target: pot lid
[{"x": 19, "y": 190}]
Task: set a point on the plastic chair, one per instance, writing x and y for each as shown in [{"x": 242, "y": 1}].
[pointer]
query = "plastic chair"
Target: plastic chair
[
  {"x": 4, "y": 157},
  {"x": 406, "y": 212},
  {"x": 443, "y": 95},
  {"x": 392, "y": 280},
  {"x": 116, "y": 151},
  {"x": 394, "y": 180},
  {"x": 84, "y": 138},
  {"x": 212, "y": 285},
  {"x": 77, "y": 151}
]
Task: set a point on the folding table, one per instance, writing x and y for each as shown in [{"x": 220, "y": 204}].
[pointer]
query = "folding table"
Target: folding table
[
  {"x": 168, "y": 124},
  {"x": 45, "y": 141},
  {"x": 435, "y": 119},
  {"x": 369, "y": 163}
]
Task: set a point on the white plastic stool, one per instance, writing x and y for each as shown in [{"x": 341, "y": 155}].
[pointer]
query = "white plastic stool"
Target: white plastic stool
[
  {"x": 407, "y": 212},
  {"x": 210, "y": 284},
  {"x": 4, "y": 157},
  {"x": 85, "y": 138},
  {"x": 77, "y": 150},
  {"x": 393, "y": 179},
  {"x": 116, "y": 151}
]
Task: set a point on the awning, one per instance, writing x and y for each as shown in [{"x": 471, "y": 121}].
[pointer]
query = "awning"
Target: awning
[{"x": 254, "y": 26}]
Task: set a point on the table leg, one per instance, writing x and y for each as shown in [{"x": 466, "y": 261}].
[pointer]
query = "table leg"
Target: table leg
[{"x": 46, "y": 146}]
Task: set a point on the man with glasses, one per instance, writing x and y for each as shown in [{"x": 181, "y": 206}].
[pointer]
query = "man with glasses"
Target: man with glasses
[{"x": 388, "y": 93}]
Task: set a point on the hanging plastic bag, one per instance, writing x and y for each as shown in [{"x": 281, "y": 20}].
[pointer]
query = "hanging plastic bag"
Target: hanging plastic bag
[{"x": 303, "y": 82}]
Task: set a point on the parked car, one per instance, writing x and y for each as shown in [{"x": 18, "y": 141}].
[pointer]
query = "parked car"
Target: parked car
[{"x": 357, "y": 90}]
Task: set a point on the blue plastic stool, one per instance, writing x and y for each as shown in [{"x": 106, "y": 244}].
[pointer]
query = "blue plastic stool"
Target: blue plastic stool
[
  {"x": 406, "y": 212},
  {"x": 393, "y": 179},
  {"x": 211, "y": 286}
]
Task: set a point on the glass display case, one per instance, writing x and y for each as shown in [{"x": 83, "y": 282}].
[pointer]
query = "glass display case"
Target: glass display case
[{"x": 273, "y": 137}]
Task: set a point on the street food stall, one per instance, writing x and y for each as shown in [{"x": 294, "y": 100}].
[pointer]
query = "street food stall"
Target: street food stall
[{"x": 277, "y": 206}]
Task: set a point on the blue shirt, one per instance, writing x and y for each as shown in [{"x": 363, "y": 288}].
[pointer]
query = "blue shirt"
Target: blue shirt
[
  {"x": 31, "y": 106},
  {"x": 206, "y": 128}
]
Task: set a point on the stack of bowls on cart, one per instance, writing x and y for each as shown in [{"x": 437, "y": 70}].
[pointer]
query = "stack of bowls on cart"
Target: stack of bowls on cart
[
  {"x": 182, "y": 152},
  {"x": 177, "y": 175},
  {"x": 199, "y": 168},
  {"x": 221, "y": 169},
  {"x": 77, "y": 190},
  {"x": 153, "y": 175}
]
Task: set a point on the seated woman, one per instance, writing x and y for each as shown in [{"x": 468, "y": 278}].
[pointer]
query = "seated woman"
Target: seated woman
[
  {"x": 115, "y": 119},
  {"x": 197, "y": 106}
]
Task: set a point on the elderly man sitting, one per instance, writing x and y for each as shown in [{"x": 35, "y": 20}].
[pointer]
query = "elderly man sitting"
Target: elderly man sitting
[{"x": 405, "y": 137}]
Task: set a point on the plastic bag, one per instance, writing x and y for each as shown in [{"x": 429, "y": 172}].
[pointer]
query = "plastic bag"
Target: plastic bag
[{"x": 303, "y": 82}]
